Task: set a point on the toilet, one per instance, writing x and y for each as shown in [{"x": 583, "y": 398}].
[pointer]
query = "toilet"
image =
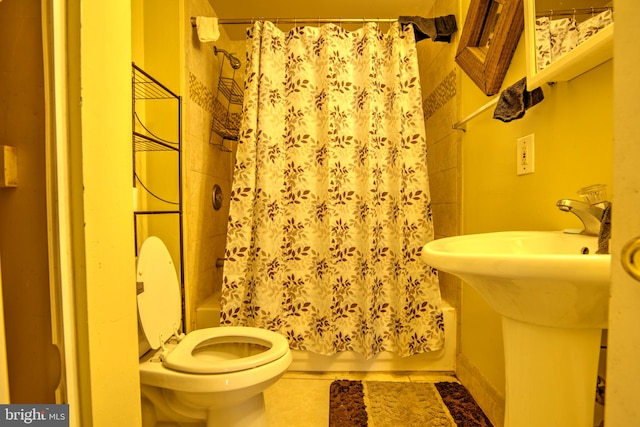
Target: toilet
[{"x": 208, "y": 377}]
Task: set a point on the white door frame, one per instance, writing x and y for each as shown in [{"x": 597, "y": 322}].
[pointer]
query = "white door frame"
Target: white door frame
[
  {"x": 623, "y": 369},
  {"x": 4, "y": 373},
  {"x": 63, "y": 312}
]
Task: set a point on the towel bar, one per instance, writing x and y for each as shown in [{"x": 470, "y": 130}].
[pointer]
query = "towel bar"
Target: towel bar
[{"x": 460, "y": 125}]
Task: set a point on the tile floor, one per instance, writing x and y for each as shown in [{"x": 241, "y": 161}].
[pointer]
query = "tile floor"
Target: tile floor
[{"x": 301, "y": 399}]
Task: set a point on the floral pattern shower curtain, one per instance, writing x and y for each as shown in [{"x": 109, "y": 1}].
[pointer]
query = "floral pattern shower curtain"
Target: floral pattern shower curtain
[{"x": 330, "y": 204}]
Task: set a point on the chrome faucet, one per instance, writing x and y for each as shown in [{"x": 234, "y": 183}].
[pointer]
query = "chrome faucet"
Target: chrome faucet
[{"x": 590, "y": 215}]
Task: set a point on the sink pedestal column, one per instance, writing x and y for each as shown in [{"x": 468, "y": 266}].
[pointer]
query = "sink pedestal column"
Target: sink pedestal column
[{"x": 551, "y": 375}]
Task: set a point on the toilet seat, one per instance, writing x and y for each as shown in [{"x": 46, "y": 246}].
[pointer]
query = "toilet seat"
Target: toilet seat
[{"x": 184, "y": 356}]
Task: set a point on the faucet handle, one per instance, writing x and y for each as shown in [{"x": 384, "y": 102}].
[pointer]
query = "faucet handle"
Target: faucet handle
[{"x": 593, "y": 194}]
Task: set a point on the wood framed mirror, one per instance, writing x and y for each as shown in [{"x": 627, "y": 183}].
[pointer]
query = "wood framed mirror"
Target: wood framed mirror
[{"x": 489, "y": 38}]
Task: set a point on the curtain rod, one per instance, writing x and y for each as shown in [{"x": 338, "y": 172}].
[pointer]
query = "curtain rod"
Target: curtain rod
[
  {"x": 249, "y": 21},
  {"x": 571, "y": 12}
]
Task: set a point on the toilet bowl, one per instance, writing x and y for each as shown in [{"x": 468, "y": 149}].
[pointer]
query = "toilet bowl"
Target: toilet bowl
[{"x": 213, "y": 376}]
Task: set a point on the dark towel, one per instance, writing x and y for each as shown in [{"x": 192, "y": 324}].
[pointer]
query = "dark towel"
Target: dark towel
[
  {"x": 515, "y": 100},
  {"x": 437, "y": 29},
  {"x": 445, "y": 27},
  {"x": 605, "y": 231}
]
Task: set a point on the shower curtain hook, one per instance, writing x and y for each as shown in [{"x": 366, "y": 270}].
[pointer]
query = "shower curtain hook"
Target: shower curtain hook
[{"x": 574, "y": 14}]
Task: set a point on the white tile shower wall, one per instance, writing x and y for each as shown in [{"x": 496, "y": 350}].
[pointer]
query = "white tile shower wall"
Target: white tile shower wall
[
  {"x": 439, "y": 78},
  {"x": 205, "y": 165}
]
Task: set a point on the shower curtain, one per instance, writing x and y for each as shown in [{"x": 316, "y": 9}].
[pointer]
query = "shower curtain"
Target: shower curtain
[{"x": 330, "y": 204}]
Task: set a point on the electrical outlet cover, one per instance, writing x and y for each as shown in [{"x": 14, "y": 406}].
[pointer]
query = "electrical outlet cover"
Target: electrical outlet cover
[{"x": 525, "y": 155}]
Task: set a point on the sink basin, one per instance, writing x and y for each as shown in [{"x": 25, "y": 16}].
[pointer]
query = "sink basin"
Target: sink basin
[
  {"x": 548, "y": 278},
  {"x": 552, "y": 293}
]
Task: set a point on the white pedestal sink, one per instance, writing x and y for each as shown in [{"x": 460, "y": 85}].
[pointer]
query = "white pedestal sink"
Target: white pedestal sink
[{"x": 552, "y": 292}]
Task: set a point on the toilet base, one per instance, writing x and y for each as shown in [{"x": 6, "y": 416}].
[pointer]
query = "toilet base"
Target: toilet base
[
  {"x": 229, "y": 399},
  {"x": 248, "y": 413},
  {"x": 157, "y": 413}
]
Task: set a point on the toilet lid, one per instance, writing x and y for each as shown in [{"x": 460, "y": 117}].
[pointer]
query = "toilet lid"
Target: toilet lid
[{"x": 159, "y": 302}]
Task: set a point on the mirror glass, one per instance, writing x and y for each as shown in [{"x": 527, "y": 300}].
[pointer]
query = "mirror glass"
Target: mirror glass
[
  {"x": 489, "y": 27},
  {"x": 561, "y": 26}
]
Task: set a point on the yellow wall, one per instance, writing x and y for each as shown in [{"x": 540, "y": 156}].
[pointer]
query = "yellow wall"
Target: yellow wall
[{"x": 573, "y": 130}]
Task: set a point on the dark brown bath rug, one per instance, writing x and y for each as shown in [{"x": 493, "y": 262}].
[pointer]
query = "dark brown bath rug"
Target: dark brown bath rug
[
  {"x": 346, "y": 404},
  {"x": 462, "y": 406},
  {"x": 396, "y": 404}
]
